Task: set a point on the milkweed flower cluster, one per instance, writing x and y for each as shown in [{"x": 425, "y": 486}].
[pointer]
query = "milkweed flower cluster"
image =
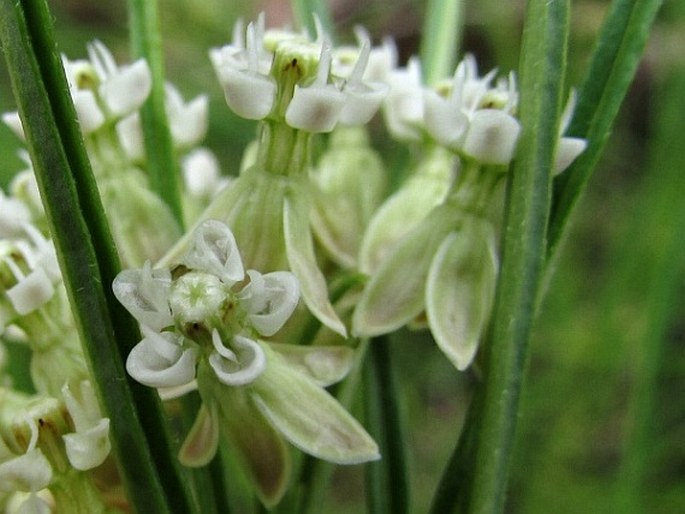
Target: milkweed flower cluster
[{"x": 238, "y": 307}]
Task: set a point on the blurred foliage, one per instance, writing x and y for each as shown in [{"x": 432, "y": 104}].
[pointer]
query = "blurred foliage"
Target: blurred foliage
[{"x": 588, "y": 346}]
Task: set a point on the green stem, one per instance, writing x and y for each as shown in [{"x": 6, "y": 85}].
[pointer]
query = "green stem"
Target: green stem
[
  {"x": 86, "y": 254},
  {"x": 162, "y": 166},
  {"x": 442, "y": 32},
  {"x": 387, "y": 481},
  {"x": 478, "y": 472}
]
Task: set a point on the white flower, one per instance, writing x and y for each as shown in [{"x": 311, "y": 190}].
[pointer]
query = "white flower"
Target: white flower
[
  {"x": 270, "y": 300},
  {"x": 403, "y": 107},
  {"x": 145, "y": 294},
  {"x": 568, "y": 148},
  {"x": 88, "y": 446},
  {"x": 237, "y": 368},
  {"x": 243, "y": 72}
]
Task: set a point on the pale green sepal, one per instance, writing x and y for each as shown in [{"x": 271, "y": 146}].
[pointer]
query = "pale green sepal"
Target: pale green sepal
[
  {"x": 396, "y": 292},
  {"x": 202, "y": 441},
  {"x": 325, "y": 365},
  {"x": 406, "y": 208},
  {"x": 300, "y": 251},
  {"x": 460, "y": 292},
  {"x": 309, "y": 417}
]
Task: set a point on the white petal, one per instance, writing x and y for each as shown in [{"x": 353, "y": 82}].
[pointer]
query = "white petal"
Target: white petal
[
  {"x": 31, "y": 292},
  {"x": 248, "y": 94},
  {"x": 126, "y": 91},
  {"x": 89, "y": 115},
  {"x": 145, "y": 294},
  {"x": 445, "y": 121},
  {"x": 492, "y": 137},
  {"x": 362, "y": 102},
  {"x": 270, "y": 299},
  {"x": 130, "y": 132},
  {"x": 251, "y": 363},
  {"x": 215, "y": 251},
  {"x": 568, "y": 148},
  {"x": 88, "y": 449},
  {"x": 201, "y": 172},
  {"x": 28, "y": 472},
  {"x": 13, "y": 121},
  {"x": 147, "y": 365},
  {"x": 315, "y": 108}
]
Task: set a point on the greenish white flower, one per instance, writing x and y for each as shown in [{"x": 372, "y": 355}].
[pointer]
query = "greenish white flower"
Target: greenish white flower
[{"x": 204, "y": 326}]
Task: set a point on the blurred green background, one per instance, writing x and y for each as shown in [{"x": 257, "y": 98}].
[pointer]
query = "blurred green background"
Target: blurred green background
[{"x": 602, "y": 424}]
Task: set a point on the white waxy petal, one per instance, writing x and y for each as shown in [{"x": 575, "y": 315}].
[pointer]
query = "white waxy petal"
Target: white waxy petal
[
  {"x": 492, "y": 137},
  {"x": 14, "y": 215},
  {"x": 249, "y": 362},
  {"x": 201, "y": 173},
  {"x": 568, "y": 148},
  {"x": 88, "y": 449},
  {"x": 13, "y": 121},
  {"x": 444, "y": 120},
  {"x": 28, "y": 472},
  {"x": 130, "y": 132},
  {"x": 31, "y": 292},
  {"x": 215, "y": 251},
  {"x": 302, "y": 260},
  {"x": 125, "y": 91},
  {"x": 189, "y": 121},
  {"x": 160, "y": 361},
  {"x": 250, "y": 95},
  {"x": 84, "y": 410},
  {"x": 270, "y": 299},
  {"x": 145, "y": 294},
  {"x": 315, "y": 108},
  {"x": 362, "y": 102},
  {"x": 404, "y": 104},
  {"x": 89, "y": 115}
]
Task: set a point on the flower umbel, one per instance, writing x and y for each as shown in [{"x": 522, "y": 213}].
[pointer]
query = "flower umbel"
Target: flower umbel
[{"x": 204, "y": 324}]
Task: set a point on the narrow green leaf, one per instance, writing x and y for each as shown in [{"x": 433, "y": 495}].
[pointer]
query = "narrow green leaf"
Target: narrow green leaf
[
  {"x": 387, "y": 480},
  {"x": 613, "y": 66},
  {"x": 441, "y": 38},
  {"x": 86, "y": 252},
  {"x": 162, "y": 165},
  {"x": 654, "y": 273},
  {"x": 478, "y": 473}
]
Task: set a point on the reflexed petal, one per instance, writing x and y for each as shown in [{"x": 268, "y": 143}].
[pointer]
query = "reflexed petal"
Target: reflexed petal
[
  {"x": 90, "y": 448},
  {"x": 201, "y": 443},
  {"x": 249, "y": 94},
  {"x": 319, "y": 426},
  {"x": 300, "y": 251},
  {"x": 270, "y": 300},
  {"x": 13, "y": 121},
  {"x": 405, "y": 209},
  {"x": 257, "y": 446},
  {"x": 324, "y": 365},
  {"x": 28, "y": 472},
  {"x": 127, "y": 89},
  {"x": 362, "y": 102},
  {"x": 130, "y": 132},
  {"x": 445, "y": 121},
  {"x": 240, "y": 368},
  {"x": 201, "y": 173},
  {"x": 568, "y": 148},
  {"x": 214, "y": 250},
  {"x": 492, "y": 137},
  {"x": 189, "y": 121},
  {"x": 31, "y": 292},
  {"x": 315, "y": 108},
  {"x": 148, "y": 364},
  {"x": 89, "y": 115},
  {"x": 145, "y": 294},
  {"x": 460, "y": 292},
  {"x": 396, "y": 292}
]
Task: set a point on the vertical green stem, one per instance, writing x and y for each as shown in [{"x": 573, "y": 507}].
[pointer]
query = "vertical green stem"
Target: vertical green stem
[
  {"x": 478, "y": 472},
  {"x": 87, "y": 256},
  {"x": 441, "y": 39},
  {"x": 387, "y": 481},
  {"x": 162, "y": 165}
]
